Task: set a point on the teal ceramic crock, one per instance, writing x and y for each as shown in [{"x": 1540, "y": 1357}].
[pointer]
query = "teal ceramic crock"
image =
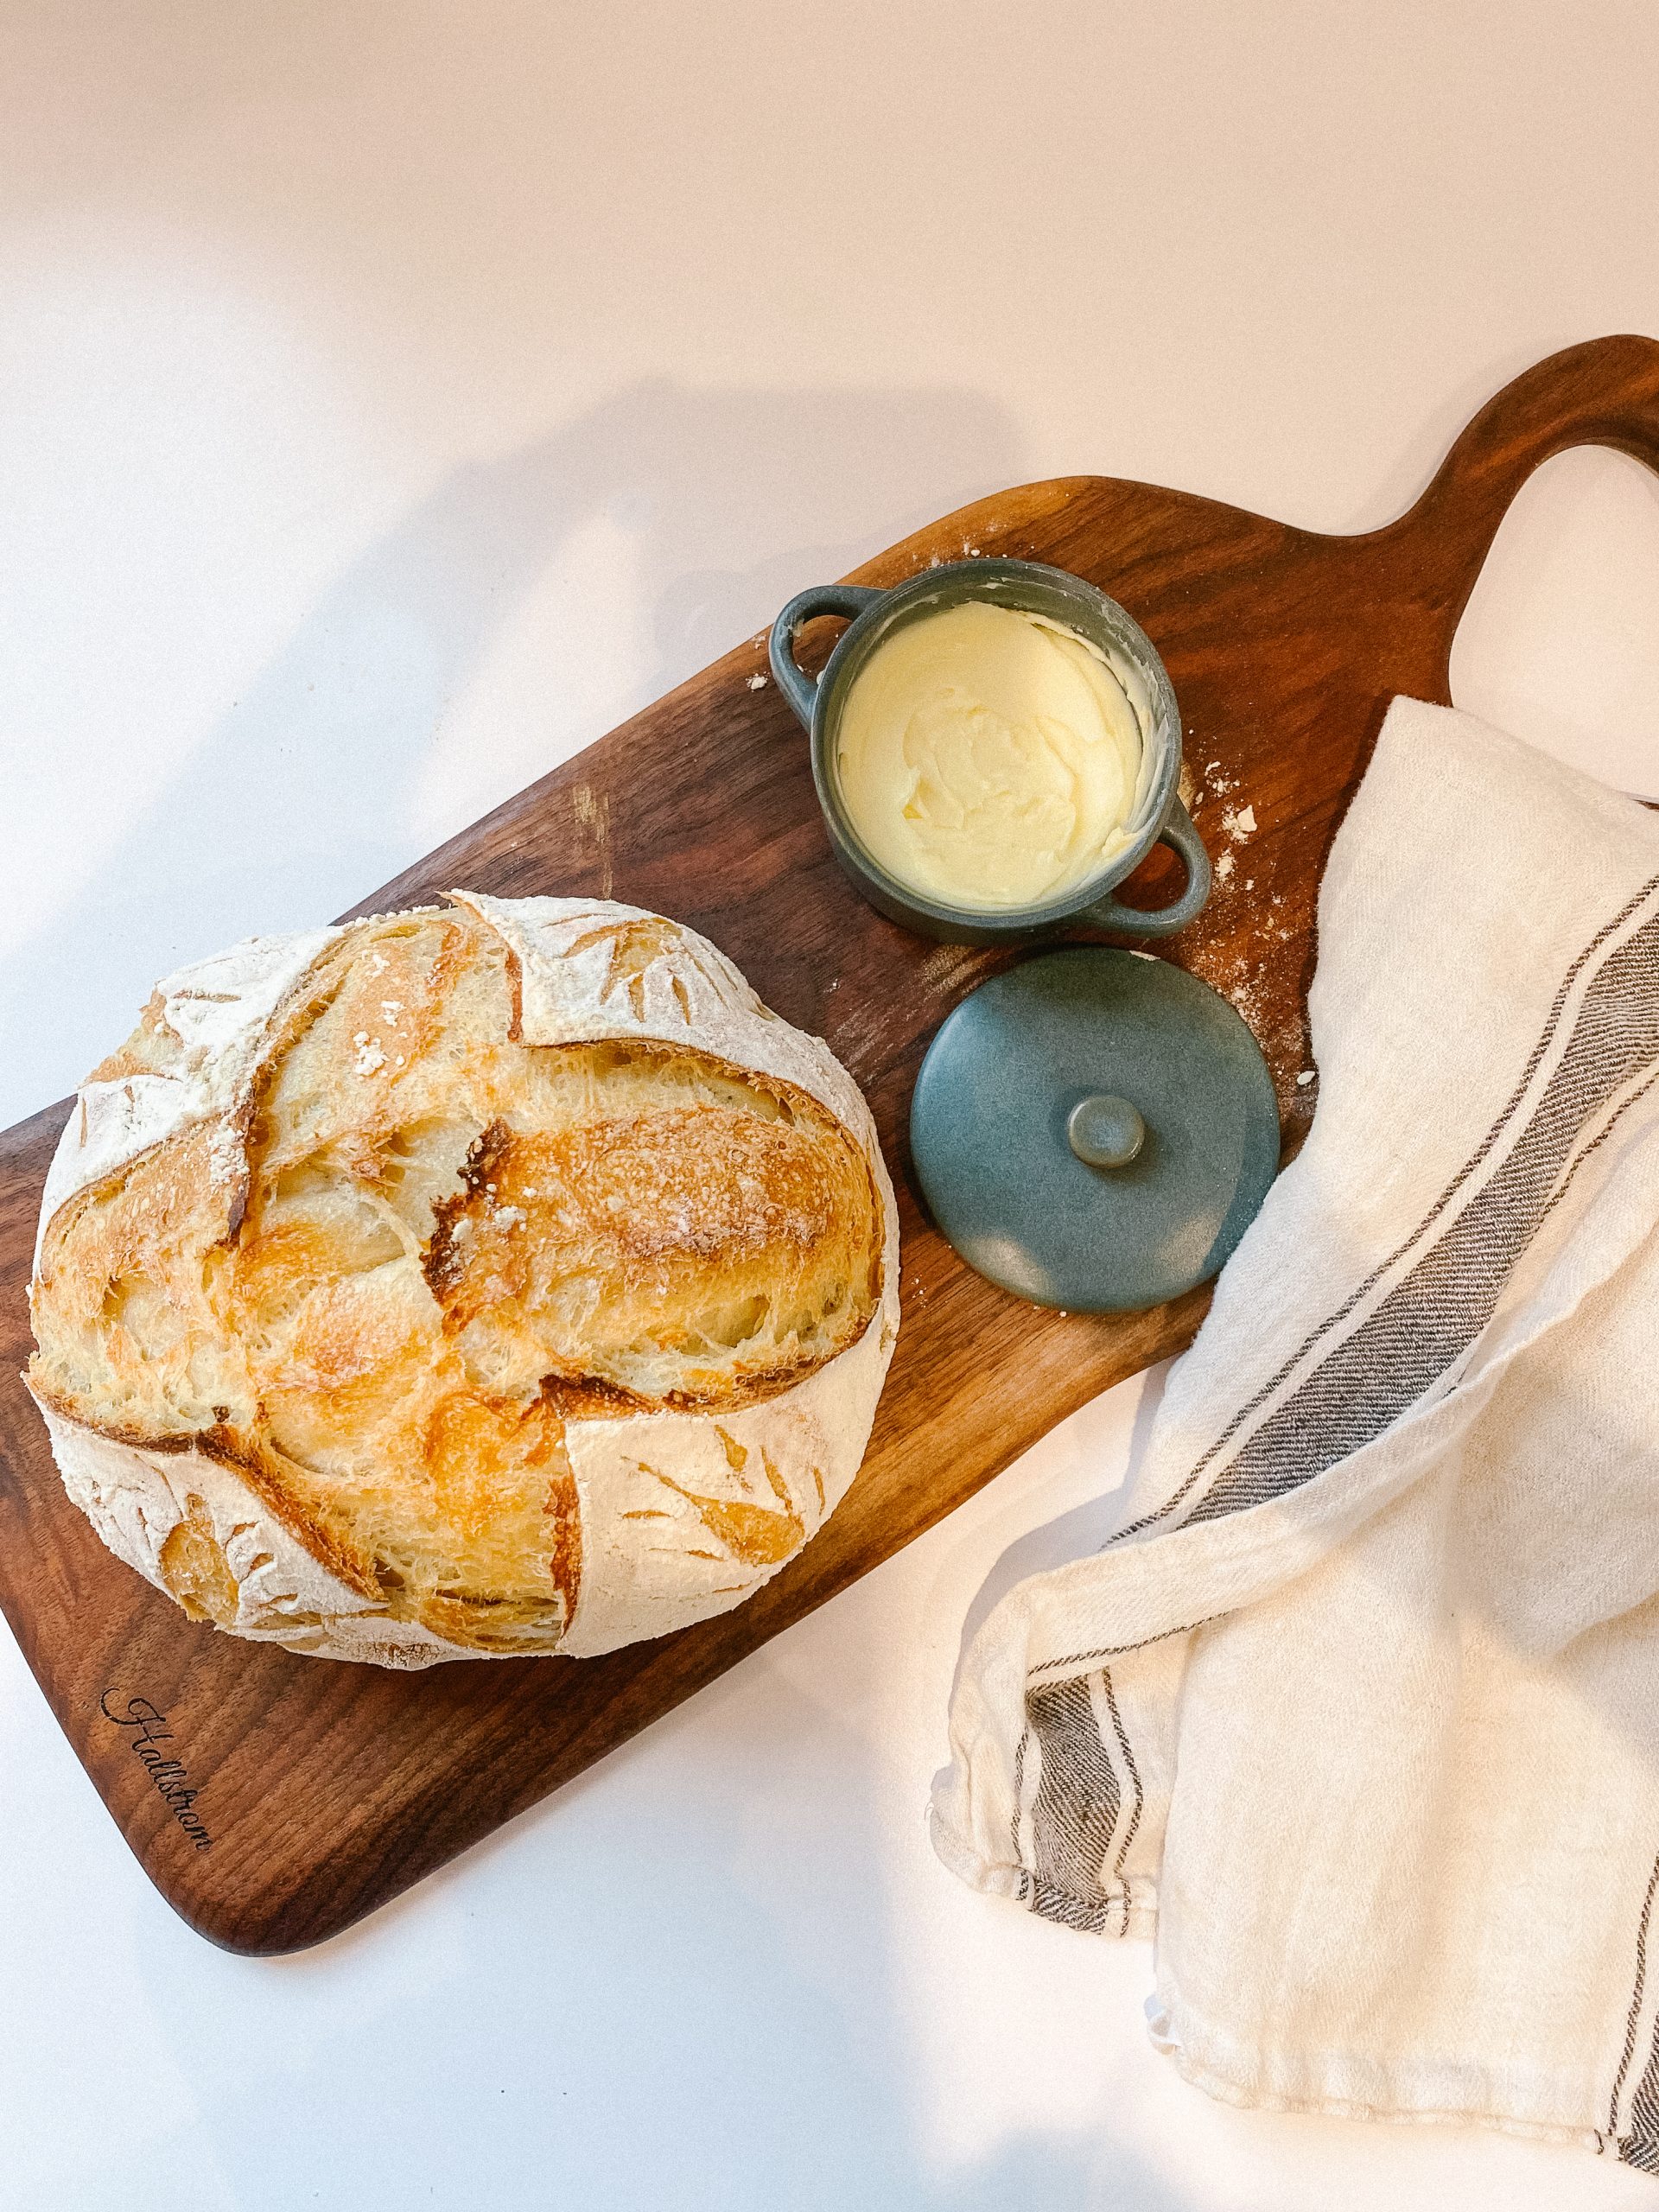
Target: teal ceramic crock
[{"x": 1035, "y": 589}]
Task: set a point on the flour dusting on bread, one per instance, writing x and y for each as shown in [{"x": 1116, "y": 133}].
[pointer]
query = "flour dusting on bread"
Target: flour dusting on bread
[{"x": 486, "y": 1279}]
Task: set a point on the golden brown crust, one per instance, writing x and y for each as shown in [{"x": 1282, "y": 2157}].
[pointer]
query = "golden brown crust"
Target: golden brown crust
[
  {"x": 152, "y": 1049},
  {"x": 435, "y": 1249},
  {"x": 696, "y": 1256},
  {"x": 271, "y": 1478},
  {"x": 195, "y": 1569}
]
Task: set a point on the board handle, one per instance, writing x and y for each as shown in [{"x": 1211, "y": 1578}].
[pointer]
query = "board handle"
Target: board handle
[{"x": 1604, "y": 392}]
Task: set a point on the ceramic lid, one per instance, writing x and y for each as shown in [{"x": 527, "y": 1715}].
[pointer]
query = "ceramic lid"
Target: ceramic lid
[{"x": 1094, "y": 1130}]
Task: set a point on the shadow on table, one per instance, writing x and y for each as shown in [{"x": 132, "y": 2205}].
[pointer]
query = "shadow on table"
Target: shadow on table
[
  {"x": 1072, "y": 1534},
  {"x": 306, "y": 795},
  {"x": 686, "y": 1985}
]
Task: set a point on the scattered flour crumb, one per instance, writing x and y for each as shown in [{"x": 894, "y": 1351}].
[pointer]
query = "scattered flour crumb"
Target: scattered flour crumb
[
  {"x": 1224, "y": 868},
  {"x": 757, "y": 684},
  {"x": 1305, "y": 1077},
  {"x": 370, "y": 1058},
  {"x": 509, "y": 1217},
  {"x": 224, "y": 1156},
  {"x": 1249, "y": 883},
  {"x": 379, "y": 963},
  {"x": 392, "y": 1008},
  {"x": 1239, "y": 822}
]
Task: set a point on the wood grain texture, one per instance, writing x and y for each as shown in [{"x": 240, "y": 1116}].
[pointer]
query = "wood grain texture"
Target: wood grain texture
[{"x": 326, "y": 1789}]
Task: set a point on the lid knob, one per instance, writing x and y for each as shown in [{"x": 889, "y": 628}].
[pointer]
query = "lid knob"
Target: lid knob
[{"x": 1105, "y": 1131}]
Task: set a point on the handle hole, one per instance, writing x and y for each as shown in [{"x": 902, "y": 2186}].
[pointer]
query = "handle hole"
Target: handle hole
[
  {"x": 1558, "y": 644},
  {"x": 815, "y": 640},
  {"x": 1160, "y": 880}
]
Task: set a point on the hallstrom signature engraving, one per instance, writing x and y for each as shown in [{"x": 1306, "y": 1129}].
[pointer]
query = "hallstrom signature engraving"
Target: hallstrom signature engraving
[{"x": 150, "y": 1732}]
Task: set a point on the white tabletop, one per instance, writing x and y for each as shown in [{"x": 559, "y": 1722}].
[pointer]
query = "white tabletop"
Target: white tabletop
[{"x": 395, "y": 398}]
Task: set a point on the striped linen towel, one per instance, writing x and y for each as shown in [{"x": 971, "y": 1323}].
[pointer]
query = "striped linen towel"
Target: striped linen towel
[{"x": 1359, "y": 1710}]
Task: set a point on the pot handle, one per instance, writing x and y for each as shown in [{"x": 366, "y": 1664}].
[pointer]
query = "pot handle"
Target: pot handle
[
  {"x": 797, "y": 687},
  {"x": 1179, "y": 834}
]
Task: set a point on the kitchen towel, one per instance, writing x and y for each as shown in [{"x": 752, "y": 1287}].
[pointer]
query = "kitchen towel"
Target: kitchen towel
[{"x": 1358, "y": 1712}]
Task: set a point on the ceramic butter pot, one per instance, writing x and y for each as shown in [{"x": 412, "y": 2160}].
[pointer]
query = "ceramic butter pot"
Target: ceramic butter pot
[{"x": 1067, "y": 601}]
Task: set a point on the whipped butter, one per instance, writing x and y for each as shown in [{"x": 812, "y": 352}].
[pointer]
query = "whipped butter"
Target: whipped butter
[{"x": 988, "y": 758}]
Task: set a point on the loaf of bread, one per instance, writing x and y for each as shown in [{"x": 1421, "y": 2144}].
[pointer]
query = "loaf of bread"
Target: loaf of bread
[{"x": 478, "y": 1280}]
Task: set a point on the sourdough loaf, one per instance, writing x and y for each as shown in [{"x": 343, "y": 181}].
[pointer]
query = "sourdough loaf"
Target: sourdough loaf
[{"x": 478, "y": 1280}]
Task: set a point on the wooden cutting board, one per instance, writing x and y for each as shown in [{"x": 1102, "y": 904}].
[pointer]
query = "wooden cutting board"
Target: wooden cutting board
[{"x": 322, "y": 1790}]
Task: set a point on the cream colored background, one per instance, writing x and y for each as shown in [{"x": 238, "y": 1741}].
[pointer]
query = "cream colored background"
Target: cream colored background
[{"x": 396, "y": 396}]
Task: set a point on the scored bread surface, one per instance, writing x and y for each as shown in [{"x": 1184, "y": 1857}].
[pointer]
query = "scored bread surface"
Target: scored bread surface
[{"x": 479, "y": 1281}]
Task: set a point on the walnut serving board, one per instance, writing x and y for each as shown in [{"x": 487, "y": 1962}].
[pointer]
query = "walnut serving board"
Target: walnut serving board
[{"x": 295, "y": 1794}]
